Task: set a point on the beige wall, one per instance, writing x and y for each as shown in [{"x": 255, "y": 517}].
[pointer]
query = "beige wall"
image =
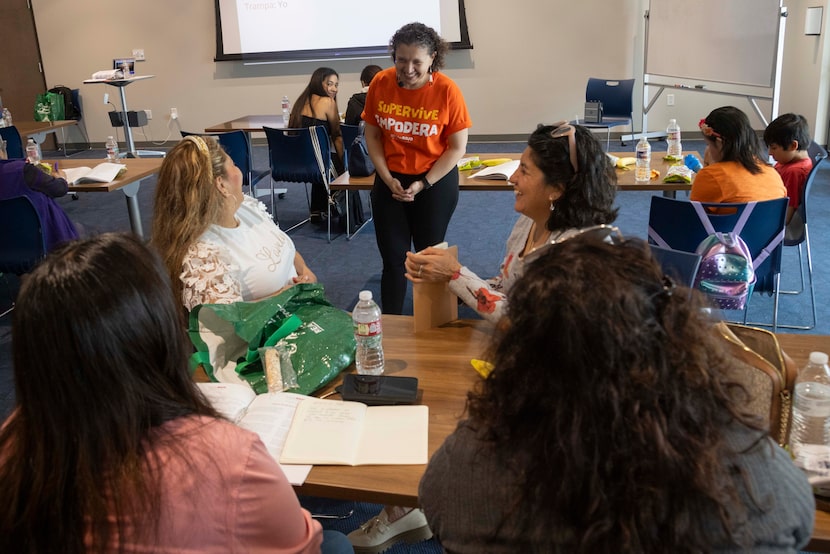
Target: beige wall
[{"x": 530, "y": 64}]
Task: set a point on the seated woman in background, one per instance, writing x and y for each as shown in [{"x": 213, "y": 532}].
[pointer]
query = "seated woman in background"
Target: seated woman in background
[
  {"x": 734, "y": 163},
  {"x": 564, "y": 183},
  {"x": 611, "y": 422},
  {"x": 317, "y": 105},
  {"x": 111, "y": 447},
  {"x": 20, "y": 178},
  {"x": 358, "y": 100},
  {"x": 219, "y": 246}
]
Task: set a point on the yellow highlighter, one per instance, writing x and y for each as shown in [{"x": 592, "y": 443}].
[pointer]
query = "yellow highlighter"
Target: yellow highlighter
[{"x": 482, "y": 367}]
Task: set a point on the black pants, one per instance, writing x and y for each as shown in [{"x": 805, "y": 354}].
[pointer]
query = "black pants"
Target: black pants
[{"x": 400, "y": 225}]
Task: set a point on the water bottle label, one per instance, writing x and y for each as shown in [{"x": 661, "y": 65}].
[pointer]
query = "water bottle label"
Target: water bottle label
[
  {"x": 815, "y": 458},
  {"x": 367, "y": 329},
  {"x": 643, "y": 155},
  {"x": 674, "y": 135}
]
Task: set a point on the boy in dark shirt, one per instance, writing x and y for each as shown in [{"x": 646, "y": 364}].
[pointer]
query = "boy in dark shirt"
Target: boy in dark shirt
[{"x": 788, "y": 137}]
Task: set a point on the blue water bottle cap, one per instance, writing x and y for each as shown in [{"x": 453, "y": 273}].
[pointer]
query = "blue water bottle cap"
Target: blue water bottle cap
[{"x": 692, "y": 162}]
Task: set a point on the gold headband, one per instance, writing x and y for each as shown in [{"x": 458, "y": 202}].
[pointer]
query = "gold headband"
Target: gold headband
[{"x": 200, "y": 143}]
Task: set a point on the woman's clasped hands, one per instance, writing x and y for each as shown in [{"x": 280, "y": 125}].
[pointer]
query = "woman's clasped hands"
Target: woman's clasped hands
[{"x": 405, "y": 195}]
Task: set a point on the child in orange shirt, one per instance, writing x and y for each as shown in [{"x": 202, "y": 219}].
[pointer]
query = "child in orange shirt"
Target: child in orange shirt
[{"x": 787, "y": 138}]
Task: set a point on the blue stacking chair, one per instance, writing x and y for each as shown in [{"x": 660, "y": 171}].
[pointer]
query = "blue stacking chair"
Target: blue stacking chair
[
  {"x": 617, "y": 97},
  {"x": 301, "y": 155},
  {"x": 22, "y": 244},
  {"x": 797, "y": 234},
  {"x": 680, "y": 266},
  {"x": 14, "y": 144},
  {"x": 674, "y": 224}
]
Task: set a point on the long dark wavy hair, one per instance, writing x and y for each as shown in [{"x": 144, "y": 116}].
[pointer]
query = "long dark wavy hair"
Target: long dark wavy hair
[
  {"x": 739, "y": 143},
  {"x": 314, "y": 87},
  {"x": 587, "y": 195},
  {"x": 100, "y": 360},
  {"x": 607, "y": 401}
]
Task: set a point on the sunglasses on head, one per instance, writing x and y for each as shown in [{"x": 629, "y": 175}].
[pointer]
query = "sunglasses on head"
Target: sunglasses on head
[{"x": 563, "y": 129}]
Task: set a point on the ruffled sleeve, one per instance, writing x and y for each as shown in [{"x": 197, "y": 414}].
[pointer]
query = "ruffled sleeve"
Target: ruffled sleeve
[
  {"x": 207, "y": 278},
  {"x": 484, "y": 296}
]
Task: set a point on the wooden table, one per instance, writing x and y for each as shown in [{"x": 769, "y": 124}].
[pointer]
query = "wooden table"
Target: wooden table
[
  {"x": 440, "y": 359},
  {"x": 249, "y": 124},
  {"x": 625, "y": 178},
  {"x": 38, "y": 130},
  {"x": 799, "y": 348},
  {"x": 138, "y": 169}
]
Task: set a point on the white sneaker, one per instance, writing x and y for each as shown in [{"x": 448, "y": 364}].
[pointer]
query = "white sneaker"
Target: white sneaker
[{"x": 378, "y": 535}]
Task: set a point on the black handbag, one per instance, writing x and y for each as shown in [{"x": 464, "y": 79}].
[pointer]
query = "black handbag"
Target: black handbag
[{"x": 360, "y": 164}]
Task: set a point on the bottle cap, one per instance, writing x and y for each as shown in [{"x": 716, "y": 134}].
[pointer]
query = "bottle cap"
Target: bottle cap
[
  {"x": 819, "y": 358},
  {"x": 365, "y": 295}
]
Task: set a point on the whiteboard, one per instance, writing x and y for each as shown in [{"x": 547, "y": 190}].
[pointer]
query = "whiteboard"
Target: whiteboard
[{"x": 726, "y": 41}]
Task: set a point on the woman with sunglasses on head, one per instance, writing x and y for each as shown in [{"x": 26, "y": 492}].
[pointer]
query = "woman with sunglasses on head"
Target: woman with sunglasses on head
[
  {"x": 416, "y": 131},
  {"x": 564, "y": 183},
  {"x": 612, "y": 421},
  {"x": 219, "y": 245},
  {"x": 111, "y": 447},
  {"x": 734, "y": 163}
]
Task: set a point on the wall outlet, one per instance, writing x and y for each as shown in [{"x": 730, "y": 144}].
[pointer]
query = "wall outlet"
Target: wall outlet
[
  {"x": 670, "y": 100},
  {"x": 106, "y": 98},
  {"x": 149, "y": 114},
  {"x": 174, "y": 113},
  {"x": 138, "y": 54}
]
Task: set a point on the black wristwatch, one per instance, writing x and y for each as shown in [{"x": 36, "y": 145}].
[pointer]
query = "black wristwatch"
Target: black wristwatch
[{"x": 427, "y": 184}]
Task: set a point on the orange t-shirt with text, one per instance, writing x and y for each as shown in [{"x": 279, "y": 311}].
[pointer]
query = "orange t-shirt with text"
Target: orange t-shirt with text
[
  {"x": 730, "y": 182},
  {"x": 415, "y": 124}
]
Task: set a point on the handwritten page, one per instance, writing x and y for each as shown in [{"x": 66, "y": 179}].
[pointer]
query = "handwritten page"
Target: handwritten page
[
  {"x": 267, "y": 415},
  {"x": 350, "y": 433}
]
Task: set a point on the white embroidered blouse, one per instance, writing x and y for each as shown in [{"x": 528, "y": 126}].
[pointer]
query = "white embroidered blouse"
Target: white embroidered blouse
[{"x": 251, "y": 261}]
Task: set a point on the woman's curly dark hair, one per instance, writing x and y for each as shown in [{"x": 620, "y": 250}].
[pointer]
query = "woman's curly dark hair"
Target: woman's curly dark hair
[
  {"x": 588, "y": 194},
  {"x": 608, "y": 400},
  {"x": 422, "y": 35}
]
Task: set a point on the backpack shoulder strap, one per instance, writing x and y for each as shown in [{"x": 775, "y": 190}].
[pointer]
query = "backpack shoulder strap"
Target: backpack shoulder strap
[{"x": 704, "y": 217}]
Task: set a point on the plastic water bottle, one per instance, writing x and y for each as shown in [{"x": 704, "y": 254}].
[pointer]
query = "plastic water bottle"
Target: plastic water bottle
[
  {"x": 642, "y": 173},
  {"x": 810, "y": 433},
  {"x": 368, "y": 334},
  {"x": 675, "y": 149},
  {"x": 32, "y": 152},
  {"x": 286, "y": 110},
  {"x": 7, "y": 117},
  {"x": 112, "y": 150}
]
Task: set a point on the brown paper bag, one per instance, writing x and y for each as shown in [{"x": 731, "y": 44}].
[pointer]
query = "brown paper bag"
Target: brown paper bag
[{"x": 433, "y": 303}]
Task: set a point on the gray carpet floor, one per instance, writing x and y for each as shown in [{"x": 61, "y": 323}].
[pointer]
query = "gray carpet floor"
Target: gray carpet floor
[{"x": 479, "y": 227}]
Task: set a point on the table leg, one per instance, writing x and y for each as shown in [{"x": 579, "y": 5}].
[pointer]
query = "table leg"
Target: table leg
[
  {"x": 365, "y": 222},
  {"x": 131, "y": 192},
  {"x": 669, "y": 194}
]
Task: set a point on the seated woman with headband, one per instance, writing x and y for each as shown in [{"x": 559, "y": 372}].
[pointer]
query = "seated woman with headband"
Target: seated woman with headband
[{"x": 219, "y": 246}]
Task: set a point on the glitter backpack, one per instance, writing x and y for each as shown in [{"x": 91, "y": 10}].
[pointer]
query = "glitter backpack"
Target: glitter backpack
[{"x": 727, "y": 270}]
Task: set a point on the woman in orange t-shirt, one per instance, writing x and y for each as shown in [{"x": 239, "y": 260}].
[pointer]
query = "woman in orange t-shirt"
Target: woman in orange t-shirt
[
  {"x": 416, "y": 131},
  {"x": 734, "y": 167}
]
